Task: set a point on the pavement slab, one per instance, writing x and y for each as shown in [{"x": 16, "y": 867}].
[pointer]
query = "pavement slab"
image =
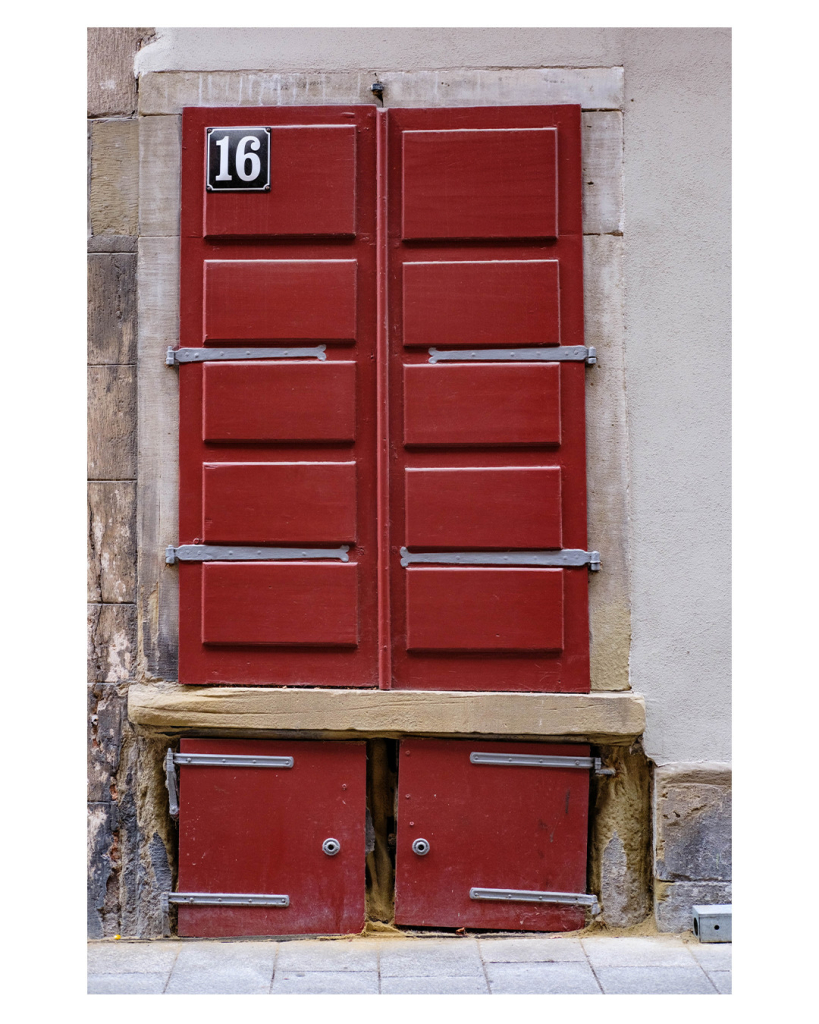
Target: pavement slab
[
  {"x": 144, "y": 984},
  {"x": 325, "y": 983},
  {"x": 333, "y": 955},
  {"x": 403, "y": 986},
  {"x": 132, "y": 957},
  {"x": 567, "y": 978},
  {"x": 712, "y": 956},
  {"x": 513, "y": 950},
  {"x": 456, "y": 958},
  {"x": 654, "y": 981},
  {"x": 628, "y": 951},
  {"x": 231, "y": 968},
  {"x": 721, "y": 981}
]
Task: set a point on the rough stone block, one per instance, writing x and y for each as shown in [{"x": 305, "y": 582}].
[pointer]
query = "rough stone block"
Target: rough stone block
[
  {"x": 101, "y": 858},
  {"x": 114, "y": 177},
  {"x": 692, "y": 824},
  {"x": 111, "y": 563},
  {"x": 112, "y": 243},
  {"x": 602, "y": 172},
  {"x": 608, "y": 462},
  {"x": 112, "y": 412},
  {"x": 111, "y": 642},
  {"x": 160, "y": 154},
  {"x": 158, "y": 455},
  {"x": 620, "y": 854},
  {"x": 167, "y": 92},
  {"x": 111, "y": 79},
  {"x": 112, "y": 308},
  {"x": 107, "y": 711},
  {"x": 673, "y": 902}
]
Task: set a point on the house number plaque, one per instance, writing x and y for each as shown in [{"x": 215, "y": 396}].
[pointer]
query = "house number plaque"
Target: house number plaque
[{"x": 238, "y": 159}]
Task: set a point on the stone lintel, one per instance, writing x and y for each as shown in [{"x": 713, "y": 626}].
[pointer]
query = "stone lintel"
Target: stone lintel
[{"x": 605, "y": 718}]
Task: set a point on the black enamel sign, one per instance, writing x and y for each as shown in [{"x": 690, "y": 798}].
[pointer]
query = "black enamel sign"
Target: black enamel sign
[{"x": 238, "y": 159}]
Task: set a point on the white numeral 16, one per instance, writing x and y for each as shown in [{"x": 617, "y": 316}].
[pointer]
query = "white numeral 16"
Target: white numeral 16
[{"x": 243, "y": 158}]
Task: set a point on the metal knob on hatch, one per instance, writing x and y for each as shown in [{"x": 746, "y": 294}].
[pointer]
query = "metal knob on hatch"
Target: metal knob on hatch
[
  {"x": 331, "y": 847},
  {"x": 421, "y": 847}
]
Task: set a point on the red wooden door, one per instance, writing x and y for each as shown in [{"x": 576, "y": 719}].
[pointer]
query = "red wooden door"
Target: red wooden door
[
  {"x": 485, "y": 253},
  {"x": 436, "y": 258},
  {"x": 517, "y": 829},
  {"x": 261, "y": 831},
  {"x": 280, "y": 452}
]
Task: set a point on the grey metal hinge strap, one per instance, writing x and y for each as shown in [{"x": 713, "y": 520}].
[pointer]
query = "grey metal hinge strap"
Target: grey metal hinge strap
[
  {"x": 214, "y": 761},
  {"x": 234, "y": 760},
  {"x": 225, "y": 553},
  {"x": 572, "y": 899},
  {"x": 229, "y": 899},
  {"x": 540, "y": 761},
  {"x": 546, "y": 354},
  {"x": 175, "y": 356},
  {"x": 567, "y": 557}
]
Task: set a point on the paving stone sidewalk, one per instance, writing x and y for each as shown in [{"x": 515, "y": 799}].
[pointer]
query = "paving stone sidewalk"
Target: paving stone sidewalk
[{"x": 544, "y": 964}]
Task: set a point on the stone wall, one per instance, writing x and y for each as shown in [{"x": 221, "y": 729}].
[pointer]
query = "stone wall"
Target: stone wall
[{"x": 129, "y": 848}]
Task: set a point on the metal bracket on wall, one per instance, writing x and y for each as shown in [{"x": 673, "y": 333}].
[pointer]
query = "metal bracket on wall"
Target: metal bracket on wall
[
  {"x": 173, "y": 357},
  {"x": 214, "y": 761},
  {"x": 541, "y": 761},
  {"x": 568, "y": 557},
  {"x": 571, "y": 899},
  {"x": 547, "y": 354},
  {"x": 219, "y": 553}
]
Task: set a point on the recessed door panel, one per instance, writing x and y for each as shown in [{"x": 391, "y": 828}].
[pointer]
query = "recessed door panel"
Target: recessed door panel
[
  {"x": 280, "y": 300},
  {"x": 279, "y": 502},
  {"x": 470, "y": 303},
  {"x": 462, "y": 508},
  {"x": 280, "y": 603},
  {"x": 485, "y": 183},
  {"x": 488, "y": 826},
  {"x": 260, "y": 831},
  {"x": 484, "y": 609},
  {"x": 487, "y": 404},
  {"x": 312, "y": 186},
  {"x": 279, "y": 401}
]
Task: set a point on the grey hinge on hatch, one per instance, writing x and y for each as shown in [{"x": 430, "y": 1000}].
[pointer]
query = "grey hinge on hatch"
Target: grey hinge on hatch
[{"x": 215, "y": 761}]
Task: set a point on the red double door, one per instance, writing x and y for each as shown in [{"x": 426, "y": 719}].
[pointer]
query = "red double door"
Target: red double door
[{"x": 377, "y": 458}]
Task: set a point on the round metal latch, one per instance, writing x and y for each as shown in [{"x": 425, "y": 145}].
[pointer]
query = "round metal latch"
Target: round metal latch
[
  {"x": 421, "y": 847},
  {"x": 331, "y": 847}
]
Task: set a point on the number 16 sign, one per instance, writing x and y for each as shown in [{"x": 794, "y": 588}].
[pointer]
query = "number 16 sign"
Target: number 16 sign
[{"x": 238, "y": 159}]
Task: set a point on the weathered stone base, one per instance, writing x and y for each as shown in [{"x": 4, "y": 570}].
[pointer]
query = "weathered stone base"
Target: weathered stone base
[
  {"x": 673, "y": 902},
  {"x": 620, "y": 843},
  {"x": 692, "y": 841}
]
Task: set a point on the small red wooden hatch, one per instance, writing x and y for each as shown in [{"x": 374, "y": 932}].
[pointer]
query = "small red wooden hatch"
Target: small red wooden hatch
[
  {"x": 506, "y": 827},
  {"x": 246, "y": 831}
]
